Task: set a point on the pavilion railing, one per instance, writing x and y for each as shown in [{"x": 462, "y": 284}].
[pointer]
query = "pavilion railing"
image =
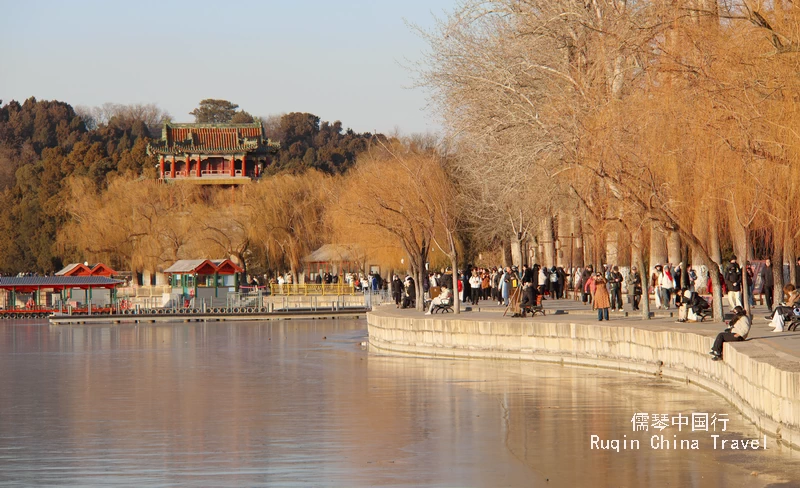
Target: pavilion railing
[
  {"x": 313, "y": 289},
  {"x": 143, "y": 291}
]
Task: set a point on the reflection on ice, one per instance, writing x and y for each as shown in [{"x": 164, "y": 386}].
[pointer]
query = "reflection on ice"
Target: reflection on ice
[{"x": 302, "y": 403}]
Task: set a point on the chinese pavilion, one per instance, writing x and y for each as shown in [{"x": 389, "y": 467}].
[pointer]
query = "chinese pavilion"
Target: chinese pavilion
[{"x": 214, "y": 154}]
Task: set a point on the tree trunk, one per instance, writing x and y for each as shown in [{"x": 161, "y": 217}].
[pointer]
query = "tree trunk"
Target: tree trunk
[
  {"x": 658, "y": 249},
  {"x": 453, "y": 254},
  {"x": 612, "y": 248},
  {"x": 777, "y": 262},
  {"x": 516, "y": 250},
  {"x": 577, "y": 244},
  {"x": 420, "y": 268},
  {"x": 674, "y": 248},
  {"x": 506, "y": 255},
  {"x": 456, "y": 295},
  {"x": 745, "y": 286},
  {"x": 588, "y": 251},
  {"x": 788, "y": 249},
  {"x": 637, "y": 259},
  {"x": 716, "y": 285},
  {"x": 599, "y": 256},
  {"x": 700, "y": 229},
  {"x": 713, "y": 238},
  {"x": 738, "y": 236},
  {"x": 549, "y": 242}
]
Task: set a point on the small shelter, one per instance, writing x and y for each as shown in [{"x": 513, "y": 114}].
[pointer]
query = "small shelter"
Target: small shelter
[
  {"x": 64, "y": 285},
  {"x": 190, "y": 274}
]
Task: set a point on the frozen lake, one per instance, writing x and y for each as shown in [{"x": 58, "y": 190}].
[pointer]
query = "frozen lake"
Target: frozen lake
[{"x": 301, "y": 403}]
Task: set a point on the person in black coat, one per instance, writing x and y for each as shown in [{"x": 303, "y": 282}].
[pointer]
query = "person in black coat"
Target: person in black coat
[
  {"x": 767, "y": 283},
  {"x": 410, "y": 293},
  {"x": 797, "y": 274},
  {"x": 397, "y": 290},
  {"x": 465, "y": 288},
  {"x": 527, "y": 274},
  {"x": 528, "y": 298},
  {"x": 588, "y": 271},
  {"x": 562, "y": 281},
  {"x": 447, "y": 280},
  {"x": 733, "y": 282}
]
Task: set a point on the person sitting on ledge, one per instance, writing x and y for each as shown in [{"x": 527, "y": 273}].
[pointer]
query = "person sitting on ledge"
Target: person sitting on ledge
[
  {"x": 444, "y": 297},
  {"x": 738, "y": 330}
]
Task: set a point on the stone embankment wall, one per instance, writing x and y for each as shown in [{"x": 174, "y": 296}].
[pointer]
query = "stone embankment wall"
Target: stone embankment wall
[{"x": 761, "y": 382}]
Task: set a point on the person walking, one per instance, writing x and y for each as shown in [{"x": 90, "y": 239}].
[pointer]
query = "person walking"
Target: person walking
[
  {"x": 397, "y": 290},
  {"x": 587, "y": 273},
  {"x": 654, "y": 280},
  {"x": 616, "y": 289},
  {"x": 750, "y": 282},
  {"x": 733, "y": 281},
  {"x": 475, "y": 286},
  {"x": 552, "y": 278},
  {"x": 505, "y": 286},
  {"x": 577, "y": 283},
  {"x": 486, "y": 284},
  {"x": 589, "y": 287},
  {"x": 767, "y": 283},
  {"x": 497, "y": 276},
  {"x": 635, "y": 287},
  {"x": 562, "y": 282},
  {"x": 667, "y": 284},
  {"x": 601, "y": 300}
]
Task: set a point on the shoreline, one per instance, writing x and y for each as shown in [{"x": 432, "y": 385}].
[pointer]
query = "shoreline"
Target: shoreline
[{"x": 761, "y": 380}]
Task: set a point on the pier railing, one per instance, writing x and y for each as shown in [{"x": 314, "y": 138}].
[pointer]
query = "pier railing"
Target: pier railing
[{"x": 313, "y": 289}]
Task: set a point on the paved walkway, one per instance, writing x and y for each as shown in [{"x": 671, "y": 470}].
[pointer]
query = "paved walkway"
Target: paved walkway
[{"x": 784, "y": 347}]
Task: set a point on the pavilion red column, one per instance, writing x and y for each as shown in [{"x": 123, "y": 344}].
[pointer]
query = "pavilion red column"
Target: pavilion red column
[
  {"x": 198, "y": 166},
  {"x": 233, "y": 165},
  {"x": 161, "y": 162},
  {"x": 244, "y": 166},
  {"x": 172, "y": 168}
]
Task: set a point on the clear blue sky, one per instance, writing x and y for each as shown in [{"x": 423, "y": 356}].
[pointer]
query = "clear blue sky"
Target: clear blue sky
[{"x": 339, "y": 60}]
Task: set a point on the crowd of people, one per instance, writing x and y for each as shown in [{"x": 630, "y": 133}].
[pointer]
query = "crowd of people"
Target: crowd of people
[{"x": 671, "y": 286}]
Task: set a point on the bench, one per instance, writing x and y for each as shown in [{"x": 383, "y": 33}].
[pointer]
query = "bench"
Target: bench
[
  {"x": 538, "y": 308},
  {"x": 793, "y": 323},
  {"x": 444, "y": 307}
]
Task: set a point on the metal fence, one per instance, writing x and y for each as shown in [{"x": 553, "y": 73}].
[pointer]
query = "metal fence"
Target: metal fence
[{"x": 313, "y": 289}]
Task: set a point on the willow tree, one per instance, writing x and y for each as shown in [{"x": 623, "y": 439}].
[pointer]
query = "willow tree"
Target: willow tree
[
  {"x": 140, "y": 224},
  {"x": 502, "y": 97},
  {"x": 285, "y": 216},
  {"x": 681, "y": 111},
  {"x": 224, "y": 227},
  {"x": 391, "y": 196}
]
